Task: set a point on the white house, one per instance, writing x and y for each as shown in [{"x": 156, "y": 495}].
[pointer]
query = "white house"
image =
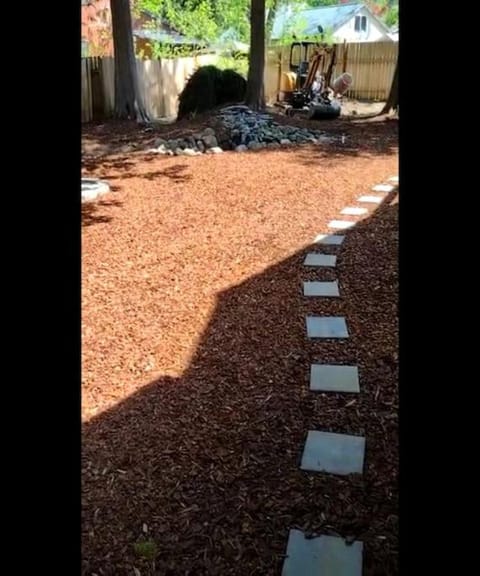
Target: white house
[{"x": 349, "y": 22}]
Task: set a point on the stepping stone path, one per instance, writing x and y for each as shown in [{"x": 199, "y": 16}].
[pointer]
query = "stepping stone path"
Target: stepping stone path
[
  {"x": 92, "y": 188},
  {"x": 326, "y": 327},
  {"x": 315, "y": 259},
  {"x": 329, "y": 239},
  {"x": 341, "y": 224},
  {"x": 333, "y": 453},
  {"x": 354, "y": 211},
  {"x": 320, "y": 289},
  {"x": 383, "y": 188},
  {"x": 321, "y": 556},
  {"x": 330, "y": 452},
  {"x": 372, "y": 199},
  {"x": 332, "y": 378}
]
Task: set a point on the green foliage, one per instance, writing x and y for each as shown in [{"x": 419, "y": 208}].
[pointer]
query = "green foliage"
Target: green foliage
[
  {"x": 391, "y": 17},
  {"x": 318, "y": 3},
  {"x": 238, "y": 63}
]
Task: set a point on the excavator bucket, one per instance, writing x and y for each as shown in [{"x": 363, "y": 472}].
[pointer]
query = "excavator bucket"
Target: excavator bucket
[{"x": 317, "y": 111}]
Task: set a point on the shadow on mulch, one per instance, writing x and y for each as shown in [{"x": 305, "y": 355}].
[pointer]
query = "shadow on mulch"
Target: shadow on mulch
[
  {"x": 91, "y": 211},
  {"x": 206, "y": 465}
]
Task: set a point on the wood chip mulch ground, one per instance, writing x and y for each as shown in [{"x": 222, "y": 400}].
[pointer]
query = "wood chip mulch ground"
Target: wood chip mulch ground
[{"x": 195, "y": 371}]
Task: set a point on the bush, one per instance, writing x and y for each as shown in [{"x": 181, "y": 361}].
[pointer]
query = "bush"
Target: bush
[{"x": 209, "y": 87}]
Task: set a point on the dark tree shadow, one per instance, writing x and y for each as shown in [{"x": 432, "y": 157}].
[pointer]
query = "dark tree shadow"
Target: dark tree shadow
[
  {"x": 207, "y": 465},
  {"x": 92, "y": 211}
]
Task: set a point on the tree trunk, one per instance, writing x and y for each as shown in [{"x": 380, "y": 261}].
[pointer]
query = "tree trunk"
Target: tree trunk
[
  {"x": 128, "y": 103},
  {"x": 256, "y": 63},
  {"x": 392, "y": 101}
]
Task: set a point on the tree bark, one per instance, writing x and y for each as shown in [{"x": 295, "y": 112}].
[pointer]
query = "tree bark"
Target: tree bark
[
  {"x": 128, "y": 103},
  {"x": 255, "y": 94},
  {"x": 392, "y": 101}
]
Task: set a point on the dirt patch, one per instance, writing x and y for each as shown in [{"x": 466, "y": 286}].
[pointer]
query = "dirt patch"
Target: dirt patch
[{"x": 195, "y": 362}]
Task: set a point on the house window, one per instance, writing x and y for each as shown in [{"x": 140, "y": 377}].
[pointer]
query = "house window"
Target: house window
[{"x": 360, "y": 23}]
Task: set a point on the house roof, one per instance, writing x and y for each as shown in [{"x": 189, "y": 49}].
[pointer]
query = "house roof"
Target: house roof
[{"x": 329, "y": 17}]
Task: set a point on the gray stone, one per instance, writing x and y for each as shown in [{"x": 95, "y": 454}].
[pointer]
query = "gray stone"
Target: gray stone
[
  {"x": 315, "y": 259},
  {"x": 340, "y": 224},
  {"x": 329, "y": 239},
  {"x": 285, "y": 142},
  {"x": 273, "y": 145},
  {"x": 354, "y": 211},
  {"x": 241, "y": 148},
  {"x": 200, "y": 145},
  {"x": 208, "y": 132},
  {"x": 178, "y": 151},
  {"x": 322, "y": 556},
  {"x": 331, "y": 378},
  {"x": 326, "y": 327},
  {"x": 254, "y": 145},
  {"x": 371, "y": 199},
  {"x": 210, "y": 141},
  {"x": 189, "y": 152},
  {"x": 333, "y": 453},
  {"x": 383, "y": 188},
  {"x": 320, "y": 289},
  {"x": 159, "y": 142}
]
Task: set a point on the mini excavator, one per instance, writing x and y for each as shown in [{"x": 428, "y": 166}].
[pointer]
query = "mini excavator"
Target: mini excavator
[{"x": 306, "y": 87}]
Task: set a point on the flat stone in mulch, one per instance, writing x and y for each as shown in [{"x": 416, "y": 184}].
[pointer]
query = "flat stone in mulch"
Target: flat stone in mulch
[
  {"x": 371, "y": 199},
  {"x": 383, "y": 188},
  {"x": 333, "y": 453},
  {"x": 354, "y": 211},
  {"x": 92, "y": 188},
  {"x": 332, "y": 378},
  {"x": 315, "y": 259},
  {"x": 326, "y": 327},
  {"x": 321, "y": 556},
  {"x": 340, "y": 224},
  {"x": 321, "y": 289},
  {"x": 393, "y": 179},
  {"x": 329, "y": 239}
]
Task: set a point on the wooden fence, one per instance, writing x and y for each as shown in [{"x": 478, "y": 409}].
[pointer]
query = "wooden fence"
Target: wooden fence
[
  {"x": 372, "y": 65},
  {"x": 160, "y": 82}
]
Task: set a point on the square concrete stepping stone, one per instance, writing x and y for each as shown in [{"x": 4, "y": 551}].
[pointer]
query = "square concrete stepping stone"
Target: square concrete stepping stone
[
  {"x": 322, "y": 556},
  {"x": 393, "y": 179},
  {"x": 372, "y": 199},
  {"x": 329, "y": 239},
  {"x": 333, "y": 453},
  {"x": 354, "y": 211},
  {"x": 320, "y": 289},
  {"x": 340, "y": 224},
  {"x": 383, "y": 188},
  {"x": 331, "y": 378},
  {"x": 326, "y": 327},
  {"x": 315, "y": 259}
]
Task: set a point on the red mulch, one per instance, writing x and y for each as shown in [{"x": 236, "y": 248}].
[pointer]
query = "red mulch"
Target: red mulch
[{"x": 196, "y": 362}]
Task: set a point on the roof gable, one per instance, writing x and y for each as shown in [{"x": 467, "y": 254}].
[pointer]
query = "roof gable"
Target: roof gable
[{"x": 329, "y": 17}]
